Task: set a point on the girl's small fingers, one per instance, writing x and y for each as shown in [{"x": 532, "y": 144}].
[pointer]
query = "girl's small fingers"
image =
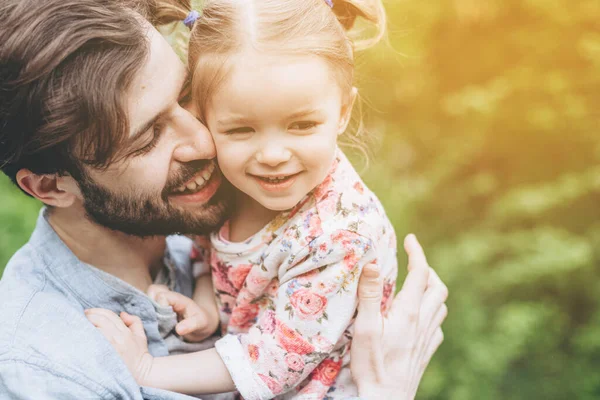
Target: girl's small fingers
[
  {"x": 134, "y": 323},
  {"x": 105, "y": 326},
  {"x": 154, "y": 290},
  {"x": 180, "y": 303},
  {"x": 194, "y": 323},
  {"x": 105, "y": 317}
]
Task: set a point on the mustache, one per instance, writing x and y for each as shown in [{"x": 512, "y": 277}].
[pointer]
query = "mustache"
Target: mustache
[{"x": 186, "y": 172}]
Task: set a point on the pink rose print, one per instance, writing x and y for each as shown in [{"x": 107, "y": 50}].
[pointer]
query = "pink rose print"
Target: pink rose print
[
  {"x": 388, "y": 287},
  {"x": 237, "y": 275},
  {"x": 326, "y": 287},
  {"x": 242, "y": 317},
  {"x": 327, "y": 371},
  {"x": 256, "y": 283},
  {"x": 267, "y": 322},
  {"x": 359, "y": 187},
  {"x": 194, "y": 254},
  {"x": 307, "y": 304},
  {"x": 274, "y": 387},
  {"x": 291, "y": 340},
  {"x": 322, "y": 343},
  {"x": 328, "y": 204},
  {"x": 314, "y": 390},
  {"x": 272, "y": 288},
  {"x": 220, "y": 280},
  {"x": 294, "y": 362},
  {"x": 253, "y": 352},
  {"x": 351, "y": 259}
]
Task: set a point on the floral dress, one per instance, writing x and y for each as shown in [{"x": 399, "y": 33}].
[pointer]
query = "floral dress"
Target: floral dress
[{"x": 288, "y": 295}]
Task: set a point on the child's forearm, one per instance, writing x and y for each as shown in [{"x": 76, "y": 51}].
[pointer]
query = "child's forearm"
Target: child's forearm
[
  {"x": 204, "y": 296},
  {"x": 202, "y": 372}
]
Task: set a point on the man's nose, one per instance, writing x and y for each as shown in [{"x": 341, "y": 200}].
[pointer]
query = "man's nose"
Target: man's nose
[
  {"x": 273, "y": 155},
  {"x": 196, "y": 142}
]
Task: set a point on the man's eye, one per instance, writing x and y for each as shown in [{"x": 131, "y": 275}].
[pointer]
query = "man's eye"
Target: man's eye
[
  {"x": 245, "y": 129},
  {"x": 156, "y": 129},
  {"x": 303, "y": 125}
]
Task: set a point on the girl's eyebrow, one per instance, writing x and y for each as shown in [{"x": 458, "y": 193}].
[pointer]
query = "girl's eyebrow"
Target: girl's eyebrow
[
  {"x": 236, "y": 119},
  {"x": 240, "y": 119},
  {"x": 303, "y": 113}
]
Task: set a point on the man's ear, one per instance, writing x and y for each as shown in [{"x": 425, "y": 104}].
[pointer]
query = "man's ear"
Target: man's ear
[
  {"x": 51, "y": 189},
  {"x": 347, "y": 111}
]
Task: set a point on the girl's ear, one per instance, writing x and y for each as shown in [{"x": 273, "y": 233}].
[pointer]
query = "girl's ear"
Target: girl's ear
[
  {"x": 50, "y": 189},
  {"x": 346, "y": 114}
]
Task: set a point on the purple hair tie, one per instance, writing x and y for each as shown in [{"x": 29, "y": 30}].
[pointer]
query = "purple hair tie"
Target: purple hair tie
[
  {"x": 192, "y": 17},
  {"x": 329, "y": 3}
]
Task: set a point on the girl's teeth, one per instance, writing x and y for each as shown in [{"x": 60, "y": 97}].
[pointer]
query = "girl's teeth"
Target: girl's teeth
[{"x": 192, "y": 185}]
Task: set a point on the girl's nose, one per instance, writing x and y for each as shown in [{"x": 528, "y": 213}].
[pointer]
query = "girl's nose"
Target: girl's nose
[{"x": 273, "y": 155}]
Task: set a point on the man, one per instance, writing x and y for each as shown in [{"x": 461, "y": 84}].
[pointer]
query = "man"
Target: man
[{"x": 91, "y": 125}]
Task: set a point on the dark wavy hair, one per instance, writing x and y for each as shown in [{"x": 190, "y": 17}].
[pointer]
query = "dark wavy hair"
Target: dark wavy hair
[{"x": 65, "y": 66}]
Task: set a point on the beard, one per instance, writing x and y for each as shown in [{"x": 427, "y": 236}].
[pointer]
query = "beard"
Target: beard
[{"x": 143, "y": 214}]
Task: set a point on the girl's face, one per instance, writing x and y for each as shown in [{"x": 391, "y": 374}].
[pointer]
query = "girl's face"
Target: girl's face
[{"x": 275, "y": 121}]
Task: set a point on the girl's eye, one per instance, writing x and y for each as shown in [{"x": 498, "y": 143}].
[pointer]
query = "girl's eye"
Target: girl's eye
[
  {"x": 303, "y": 125},
  {"x": 245, "y": 129}
]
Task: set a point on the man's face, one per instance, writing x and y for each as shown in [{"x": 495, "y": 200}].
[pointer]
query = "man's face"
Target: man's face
[{"x": 169, "y": 182}]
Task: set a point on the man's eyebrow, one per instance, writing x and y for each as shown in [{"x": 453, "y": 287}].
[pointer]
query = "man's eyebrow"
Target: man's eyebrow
[{"x": 145, "y": 127}]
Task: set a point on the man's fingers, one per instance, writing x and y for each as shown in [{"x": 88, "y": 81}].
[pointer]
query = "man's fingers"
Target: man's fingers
[
  {"x": 370, "y": 291},
  {"x": 411, "y": 295},
  {"x": 368, "y": 327},
  {"x": 416, "y": 256},
  {"x": 435, "y": 296},
  {"x": 435, "y": 281}
]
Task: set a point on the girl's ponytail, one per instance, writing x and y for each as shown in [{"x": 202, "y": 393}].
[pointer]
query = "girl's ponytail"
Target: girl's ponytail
[
  {"x": 371, "y": 10},
  {"x": 164, "y": 12}
]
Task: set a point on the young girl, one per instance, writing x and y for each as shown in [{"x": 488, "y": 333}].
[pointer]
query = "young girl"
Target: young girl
[{"x": 273, "y": 81}]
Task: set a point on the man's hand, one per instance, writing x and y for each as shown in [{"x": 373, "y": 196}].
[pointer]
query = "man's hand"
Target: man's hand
[
  {"x": 127, "y": 336},
  {"x": 390, "y": 355},
  {"x": 195, "y": 324}
]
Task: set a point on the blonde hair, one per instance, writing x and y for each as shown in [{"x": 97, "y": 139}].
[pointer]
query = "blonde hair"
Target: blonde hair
[{"x": 295, "y": 27}]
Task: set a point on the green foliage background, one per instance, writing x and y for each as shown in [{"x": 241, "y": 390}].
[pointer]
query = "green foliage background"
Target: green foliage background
[{"x": 488, "y": 120}]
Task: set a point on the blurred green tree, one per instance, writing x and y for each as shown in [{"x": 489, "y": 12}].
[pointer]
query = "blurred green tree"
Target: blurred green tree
[{"x": 487, "y": 119}]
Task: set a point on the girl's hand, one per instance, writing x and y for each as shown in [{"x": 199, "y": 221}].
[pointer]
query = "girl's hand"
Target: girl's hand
[
  {"x": 389, "y": 355},
  {"x": 126, "y": 334},
  {"x": 195, "y": 324}
]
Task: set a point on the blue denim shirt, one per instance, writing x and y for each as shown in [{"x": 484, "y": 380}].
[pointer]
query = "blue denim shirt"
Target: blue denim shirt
[{"x": 49, "y": 350}]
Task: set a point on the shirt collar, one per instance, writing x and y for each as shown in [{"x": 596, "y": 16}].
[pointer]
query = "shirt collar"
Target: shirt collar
[{"x": 92, "y": 286}]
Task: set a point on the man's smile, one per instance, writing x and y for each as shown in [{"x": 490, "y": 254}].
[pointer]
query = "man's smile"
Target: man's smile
[{"x": 201, "y": 188}]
